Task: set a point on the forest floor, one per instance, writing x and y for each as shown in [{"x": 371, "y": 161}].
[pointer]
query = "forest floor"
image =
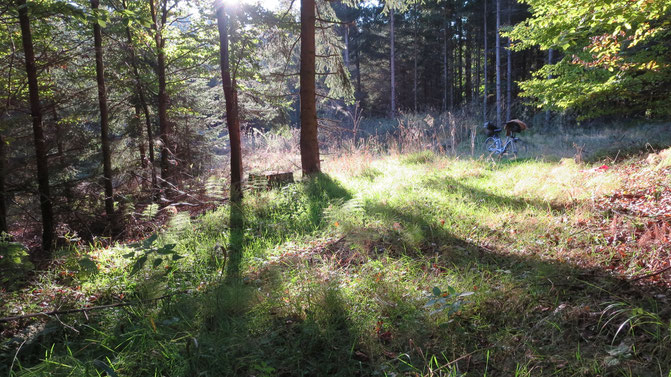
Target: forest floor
[{"x": 410, "y": 264}]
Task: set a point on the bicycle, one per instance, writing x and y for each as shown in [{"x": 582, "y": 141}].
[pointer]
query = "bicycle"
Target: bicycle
[{"x": 495, "y": 145}]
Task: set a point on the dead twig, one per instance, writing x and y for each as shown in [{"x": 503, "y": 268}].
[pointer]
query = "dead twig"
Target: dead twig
[
  {"x": 55, "y": 313},
  {"x": 658, "y": 272}
]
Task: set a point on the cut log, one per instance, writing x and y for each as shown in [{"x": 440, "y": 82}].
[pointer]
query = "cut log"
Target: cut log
[{"x": 269, "y": 180}]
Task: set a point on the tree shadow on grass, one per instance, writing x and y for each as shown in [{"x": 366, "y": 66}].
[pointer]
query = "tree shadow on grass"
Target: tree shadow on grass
[{"x": 551, "y": 307}]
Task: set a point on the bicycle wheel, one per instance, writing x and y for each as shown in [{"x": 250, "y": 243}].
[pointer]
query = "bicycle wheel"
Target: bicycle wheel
[
  {"x": 511, "y": 148},
  {"x": 492, "y": 145}
]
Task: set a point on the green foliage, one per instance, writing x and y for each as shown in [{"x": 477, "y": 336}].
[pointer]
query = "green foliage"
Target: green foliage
[
  {"x": 14, "y": 262},
  {"x": 449, "y": 301},
  {"x": 614, "y": 59},
  {"x": 147, "y": 249}
]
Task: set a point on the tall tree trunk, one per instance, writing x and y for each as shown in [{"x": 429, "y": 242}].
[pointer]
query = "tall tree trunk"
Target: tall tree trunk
[
  {"x": 414, "y": 69},
  {"x": 469, "y": 93},
  {"x": 60, "y": 150},
  {"x": 392, "y": 66},
  {"x": 3, "y": 195},
  {"x": 358, "y": 64},
  {"x": 231, "y": 95},
  {"x": 476, "y": 92},
  {"x": 309, "y": 142},
  {"x": 140, "y": 136},
  {"x": 509, "y": 73},
  {"x": 165, "y": 131},
  {"x": 346, "y": 52},
  {"x": 145, "y": 108},
  {"x": 451, "y": 71},
  {"x": 445, "y": 70},
  {"x": 38, "y": 132},
  {"x": 498, "y": 63},
  {"x": 104, "y": 121},
  {"x": 460, "y": 62},
  {"x": 484, "y": 63}
]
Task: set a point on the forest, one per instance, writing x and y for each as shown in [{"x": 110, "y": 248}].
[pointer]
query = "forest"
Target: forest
[{"x": 335, "y": 188}]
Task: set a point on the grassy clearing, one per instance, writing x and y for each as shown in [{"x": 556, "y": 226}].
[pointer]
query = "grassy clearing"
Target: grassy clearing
[{"x": 410, "y": 264}]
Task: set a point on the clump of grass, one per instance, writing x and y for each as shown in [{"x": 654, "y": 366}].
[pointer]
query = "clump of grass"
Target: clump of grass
[{"x": 419, "y": 157}]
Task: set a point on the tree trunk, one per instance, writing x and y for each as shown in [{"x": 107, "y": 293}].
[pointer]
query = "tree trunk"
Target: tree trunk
[
  {"x": 60, "y": 151},
  {"x": 104, "y": 122},
  {"x": 451, "y": 71},
  {"x": 414, "y": 69},
  {"x": 231, "y": 95},
  {"x": 484, "y": 64},
  {"x": 309, "y": 142},
  {"x": 358, "y": 64},
  {"x": 165, "y": 131},
  {"x": 469, "y": 93},
  {"x": 498, "y": 63},
  {"x": 145, "y": 108},
  {"x": 38, "y": 132},
  {"x": 445, "y": 70},
  {"x": 140, "y": 136},
  {"x": 346, "y": 52},
  {"x": 460, "y": 62},
  {"x": 509, "y": 73},
  {"x": 392, "y": 66},
  {"x": 476, "y": 91},
  {"x": 3, "y": 172}
]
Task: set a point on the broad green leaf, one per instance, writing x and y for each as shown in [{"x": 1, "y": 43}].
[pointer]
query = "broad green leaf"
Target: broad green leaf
[{"x": 139, "y": 263}]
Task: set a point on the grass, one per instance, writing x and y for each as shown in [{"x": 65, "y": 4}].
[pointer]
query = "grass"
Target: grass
[{"x": 406, "y": 264}]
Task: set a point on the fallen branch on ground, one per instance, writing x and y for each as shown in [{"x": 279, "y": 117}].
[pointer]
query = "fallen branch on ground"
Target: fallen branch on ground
[{"x": 88, "y": 309}]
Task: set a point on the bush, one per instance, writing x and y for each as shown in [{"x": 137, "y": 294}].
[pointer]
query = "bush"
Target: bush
[{"x": 14, "y": 262}]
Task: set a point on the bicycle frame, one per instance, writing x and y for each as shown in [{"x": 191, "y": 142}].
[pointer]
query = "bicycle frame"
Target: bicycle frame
[{"x": 499, "y": 147}]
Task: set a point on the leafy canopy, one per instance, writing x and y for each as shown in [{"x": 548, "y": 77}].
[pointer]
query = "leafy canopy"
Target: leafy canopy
[{"x": 615, "y": 58}]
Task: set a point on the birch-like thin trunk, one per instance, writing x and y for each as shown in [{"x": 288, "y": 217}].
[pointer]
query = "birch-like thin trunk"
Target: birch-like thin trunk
[{"x": 38, "y": 131}]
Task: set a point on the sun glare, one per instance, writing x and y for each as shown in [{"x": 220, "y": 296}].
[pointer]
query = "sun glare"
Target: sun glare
[{"x": 268, "y": 4}]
